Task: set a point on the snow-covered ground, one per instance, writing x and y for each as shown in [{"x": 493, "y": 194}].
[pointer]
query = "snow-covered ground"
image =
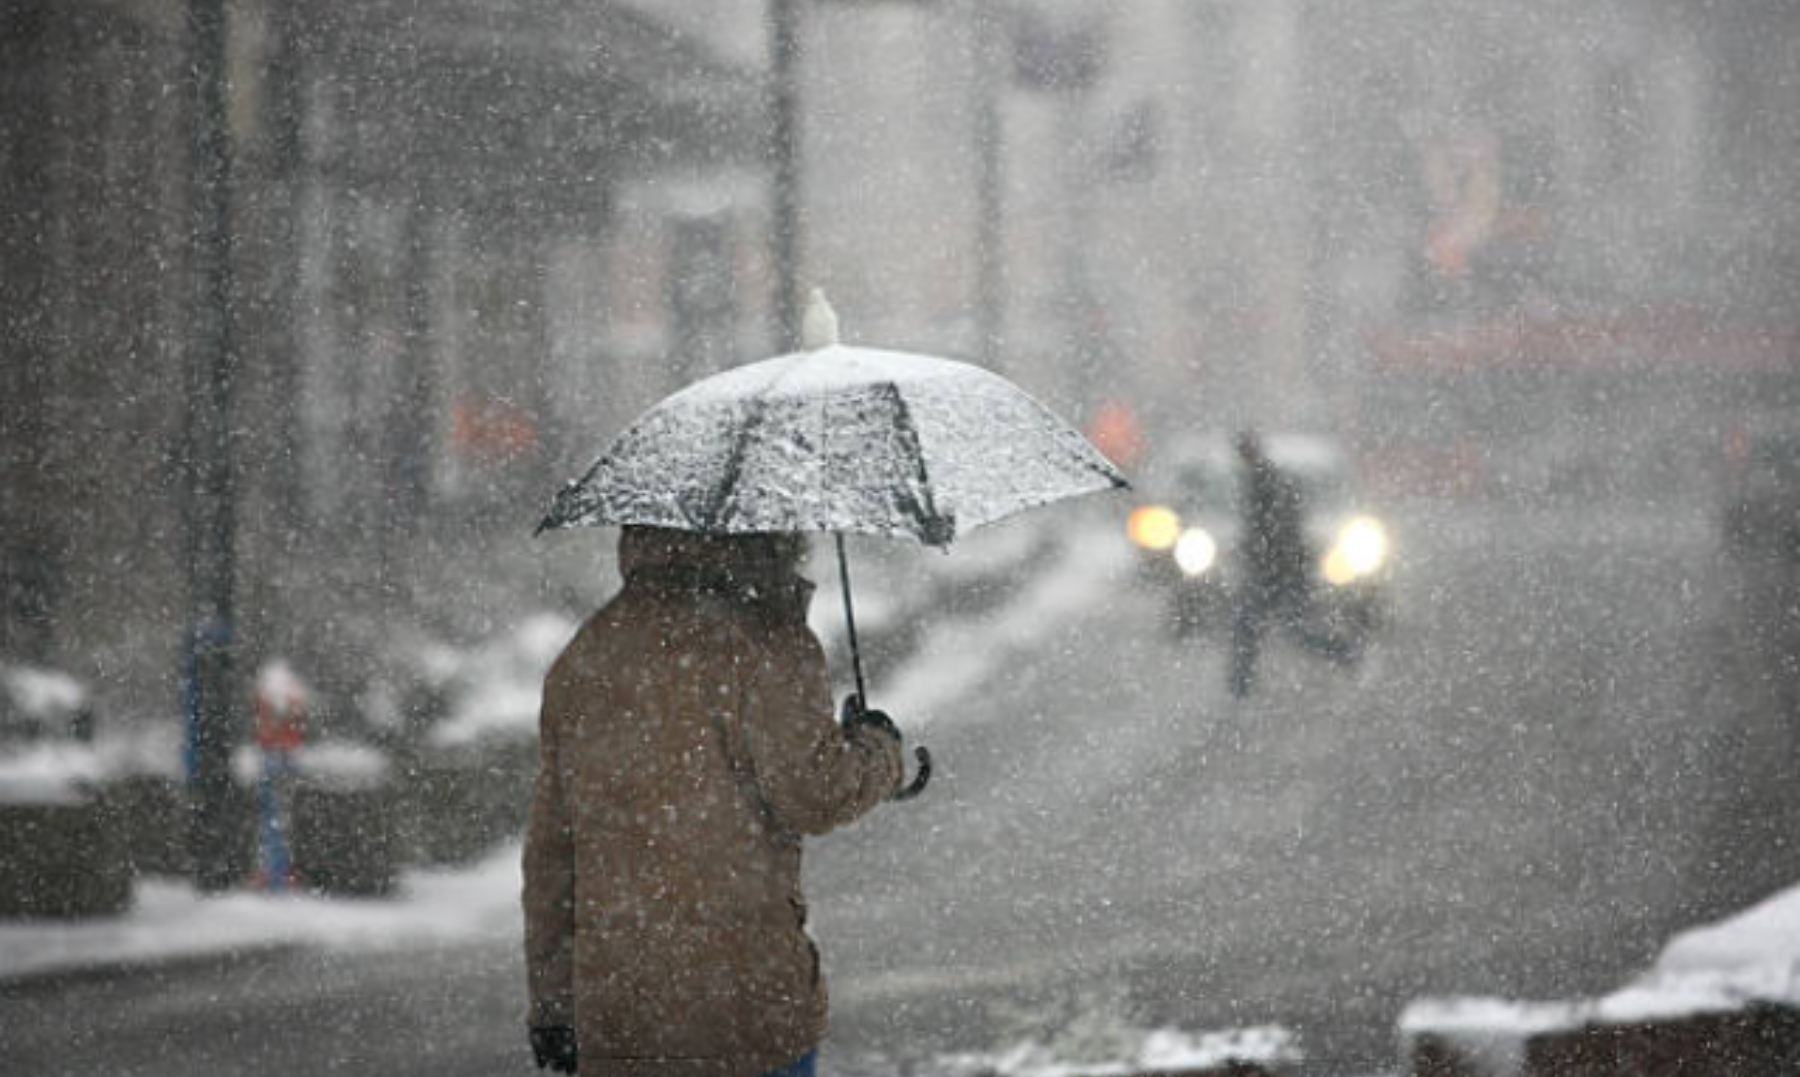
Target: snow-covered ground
[{"x": 168, "y": 919}]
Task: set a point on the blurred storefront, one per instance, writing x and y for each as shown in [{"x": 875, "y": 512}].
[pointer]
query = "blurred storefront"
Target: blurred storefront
[
  {"x": 473, "y": 237},
  {"x": 426, "y": 253}
]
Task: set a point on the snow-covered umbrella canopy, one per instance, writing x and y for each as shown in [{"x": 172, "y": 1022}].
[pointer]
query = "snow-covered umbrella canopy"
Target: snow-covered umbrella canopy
[
  {"x": 837, "y": 438},
  {"x": 842, "y": 439}
]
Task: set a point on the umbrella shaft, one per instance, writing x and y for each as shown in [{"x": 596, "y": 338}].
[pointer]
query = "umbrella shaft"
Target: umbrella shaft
[{"x": 850, "y": 619}]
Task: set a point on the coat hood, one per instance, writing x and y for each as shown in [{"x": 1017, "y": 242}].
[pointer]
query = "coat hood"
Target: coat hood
[{"x": 762, "y": 569}]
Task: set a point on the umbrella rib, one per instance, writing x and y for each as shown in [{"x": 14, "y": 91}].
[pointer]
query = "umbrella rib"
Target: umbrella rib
[
  {"x": 937, "y": 530},
  {"x": 757, "y": 412},
  {"x": 734, "y": 466}
]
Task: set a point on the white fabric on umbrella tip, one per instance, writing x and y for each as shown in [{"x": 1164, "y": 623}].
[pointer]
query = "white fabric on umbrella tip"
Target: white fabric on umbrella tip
[{"x": 819, "y": 325}]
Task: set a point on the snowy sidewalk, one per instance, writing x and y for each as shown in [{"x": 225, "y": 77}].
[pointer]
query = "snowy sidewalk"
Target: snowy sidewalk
[{"x": 170, "y": 920}]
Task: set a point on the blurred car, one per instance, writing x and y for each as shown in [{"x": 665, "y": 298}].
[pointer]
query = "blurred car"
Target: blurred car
[
  {"x": 1762, "y": 500},
  {"x": 1183, "y": 528},
  {"x": 1188, "y": 532}
]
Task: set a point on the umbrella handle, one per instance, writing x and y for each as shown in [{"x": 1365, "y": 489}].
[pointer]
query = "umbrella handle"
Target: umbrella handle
[
  {"x": 862, "y": 693},
  {"x": 917, "y": 785}
]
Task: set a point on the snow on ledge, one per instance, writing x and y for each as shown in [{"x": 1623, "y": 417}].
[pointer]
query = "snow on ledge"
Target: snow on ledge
[
  {"x": 170, "y": 919},
  {"x": 504, "y": 682},
  {"x": 43, "y": 693},
  {"x": 1752, "y": 958},
  {"x": 1164, "y": 1050},
  {"x": 1765, "y": 934},
  {"x": 51, "y": 773},
  {"x": 1477, "y": 1021},
  {"x": 339, "y": 766},
  {"x": 1478, "y": 1017}
]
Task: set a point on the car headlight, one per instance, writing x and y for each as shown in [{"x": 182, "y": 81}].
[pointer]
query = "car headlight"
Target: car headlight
[
  {"x": 1154, "y": 527},
  {"x": 1360, "y": 550},
  {"x": 1195, "y": 551}
]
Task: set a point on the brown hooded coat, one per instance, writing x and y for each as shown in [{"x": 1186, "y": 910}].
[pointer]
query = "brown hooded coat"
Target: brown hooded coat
[{"x": 688, "y": 743}]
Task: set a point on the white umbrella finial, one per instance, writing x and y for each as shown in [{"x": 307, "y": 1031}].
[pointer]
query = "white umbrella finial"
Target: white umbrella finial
[{"x": 819, "y": 325}]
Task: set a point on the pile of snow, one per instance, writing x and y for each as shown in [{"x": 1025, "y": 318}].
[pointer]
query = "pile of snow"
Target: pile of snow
[
  {"x": 343, "y": 765},
  {"x": 1164, "y": 1050},
  {"x": 1091, "y": 1031},
  {"x": 65, "y": 771},
  {"x": 338, "y": 765},
  {"x": 498, "y": 687},
  {"x": 1477, "y": 1017},
  {"x": 51, "y": 773},
  {"x": 1763, "y": 936},
  {"x": 44, "y": 694},
  {"x": 1752, "y": 958}
]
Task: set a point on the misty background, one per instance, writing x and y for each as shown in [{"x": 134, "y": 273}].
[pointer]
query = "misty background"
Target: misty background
[
  {"x": 1534, "y": 266},
  {"x": 1504, "y": 251}
]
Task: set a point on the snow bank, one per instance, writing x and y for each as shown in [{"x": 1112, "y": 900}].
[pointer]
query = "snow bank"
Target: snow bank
[
  {"x": 169, "y": 919},
  {"x": 43, "y": 693},
  {"x": 1746, "y": 960},
  {"x": 51, "y": 772},
  {"x": 1765, "y": 934},
  {"x": 339, "y": 765},
  {"x": 500, "y": 685},
  {"x": 1470, "y": 1022},
  {"x": 1165, "y": 1050},
  {"x": 1487, "y": 1016}
]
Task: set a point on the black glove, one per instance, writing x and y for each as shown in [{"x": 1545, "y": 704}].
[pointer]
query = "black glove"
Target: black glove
[
  {"x": 554, "y": 1047},
  {"x": 854, "y": 713}
]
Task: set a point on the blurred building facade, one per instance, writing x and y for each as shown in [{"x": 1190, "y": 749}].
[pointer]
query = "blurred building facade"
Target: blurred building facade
[
  {"x": 475, "y": 238},
  {"x": 424, "y": 209},
  {"x": 1217, "y": 211}
]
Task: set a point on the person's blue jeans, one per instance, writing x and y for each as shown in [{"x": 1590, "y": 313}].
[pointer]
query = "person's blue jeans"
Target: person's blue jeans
[{"x": 807, "y": 1065}]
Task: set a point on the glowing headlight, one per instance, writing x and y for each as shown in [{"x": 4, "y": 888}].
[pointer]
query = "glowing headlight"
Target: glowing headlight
[
  {"x": 1154, "y": 527},
  {"x": 1195, "y": 551},
  {"x": 1361, "y": 549}
]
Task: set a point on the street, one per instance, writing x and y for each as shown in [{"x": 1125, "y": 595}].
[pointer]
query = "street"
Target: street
[
  {"x": 1568, "y": 748},
  {"x": 1548, "y": 768}
]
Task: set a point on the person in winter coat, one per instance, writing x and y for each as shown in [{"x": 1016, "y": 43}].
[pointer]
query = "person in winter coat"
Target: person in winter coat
[
  {"x": 687, "y": 746},
  {"x": 1274, "y": 559}
]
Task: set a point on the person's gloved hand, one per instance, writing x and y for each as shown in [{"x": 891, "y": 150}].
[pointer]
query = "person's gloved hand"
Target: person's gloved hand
[
  {"x": 854, "y": 713},
  {"x": 554, "y": 1047}
]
